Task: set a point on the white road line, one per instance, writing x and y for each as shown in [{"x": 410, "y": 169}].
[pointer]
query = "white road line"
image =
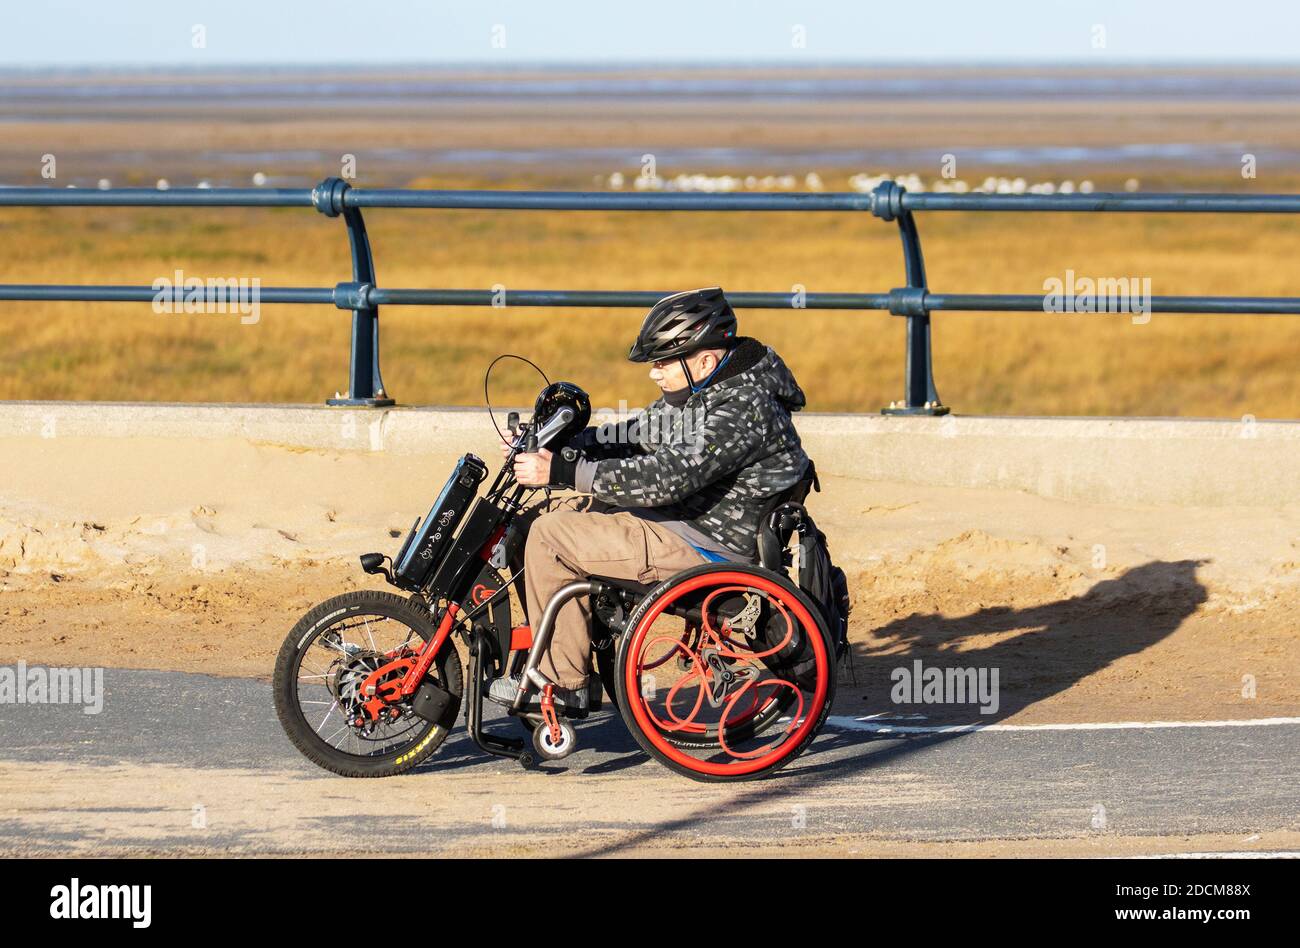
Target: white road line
[
  {"x": 845, "y": 723},
  {"x": 1252, "y": 854}
]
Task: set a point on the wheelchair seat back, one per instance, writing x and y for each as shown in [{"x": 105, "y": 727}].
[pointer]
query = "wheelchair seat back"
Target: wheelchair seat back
[{"x": 777, "y": 523}]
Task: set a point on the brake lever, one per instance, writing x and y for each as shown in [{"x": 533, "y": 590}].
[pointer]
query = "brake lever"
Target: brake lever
[{"x": 524, "y": 441}]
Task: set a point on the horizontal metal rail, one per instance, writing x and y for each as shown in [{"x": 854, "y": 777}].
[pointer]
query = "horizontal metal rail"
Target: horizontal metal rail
[
  {"x": 148, "y": 294},
  {"x": 334, "y": 197},
  {"x": 345, "y": 295},
  {"x": 152, "y": 197},
  {"x": 903, "y": 201}
]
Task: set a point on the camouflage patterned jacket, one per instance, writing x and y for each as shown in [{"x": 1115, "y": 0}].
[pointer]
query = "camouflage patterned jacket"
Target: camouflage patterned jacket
[{"x": 713, "y": 463}]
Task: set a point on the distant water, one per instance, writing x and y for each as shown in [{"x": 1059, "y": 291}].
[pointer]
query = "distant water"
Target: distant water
[
  {"x": 71, "y": 97},
  {"x": 288, "y": 88}
]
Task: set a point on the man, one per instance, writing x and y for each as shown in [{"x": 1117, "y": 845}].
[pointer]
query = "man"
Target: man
[{"x": 681, "y": 483}]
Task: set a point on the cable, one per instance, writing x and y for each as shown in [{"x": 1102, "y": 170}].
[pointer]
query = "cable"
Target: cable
[{"x": 486, "y": 375}]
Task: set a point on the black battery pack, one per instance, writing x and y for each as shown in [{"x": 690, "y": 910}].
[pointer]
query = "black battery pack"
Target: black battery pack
[{"x": 429, "y": 540}]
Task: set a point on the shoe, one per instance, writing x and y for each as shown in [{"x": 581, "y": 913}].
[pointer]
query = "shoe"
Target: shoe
[{"x": 503, "y": 690}]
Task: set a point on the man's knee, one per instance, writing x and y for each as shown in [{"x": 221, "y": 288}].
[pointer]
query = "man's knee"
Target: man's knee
[{"x": 551, "y": 542}]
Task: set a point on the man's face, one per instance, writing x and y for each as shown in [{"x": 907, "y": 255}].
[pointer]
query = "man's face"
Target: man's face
[{"x": 668, "y": 374}]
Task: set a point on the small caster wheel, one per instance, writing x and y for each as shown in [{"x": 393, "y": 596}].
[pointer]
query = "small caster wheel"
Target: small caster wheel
[
  {"x": 526, "y": 761},
  {"x": 554, "y": 750}
]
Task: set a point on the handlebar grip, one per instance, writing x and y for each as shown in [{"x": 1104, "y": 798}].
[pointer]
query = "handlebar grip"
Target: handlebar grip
[{"x": 530, "y": 443}]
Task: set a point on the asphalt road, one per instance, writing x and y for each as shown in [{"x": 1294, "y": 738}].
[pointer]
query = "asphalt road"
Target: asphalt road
[{"x": 96, "y": 783}]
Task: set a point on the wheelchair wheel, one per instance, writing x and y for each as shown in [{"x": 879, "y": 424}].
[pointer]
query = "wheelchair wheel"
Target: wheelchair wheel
[
  {"x": 759, "y": 719},
  {"x": 725, "y": 672}
]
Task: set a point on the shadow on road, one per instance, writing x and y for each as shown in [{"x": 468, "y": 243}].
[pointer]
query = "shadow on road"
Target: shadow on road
[{"x": 1045, "y": 651}]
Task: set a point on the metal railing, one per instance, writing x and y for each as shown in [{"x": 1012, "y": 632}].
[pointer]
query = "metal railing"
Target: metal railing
[{"x": 889, "y": 202}]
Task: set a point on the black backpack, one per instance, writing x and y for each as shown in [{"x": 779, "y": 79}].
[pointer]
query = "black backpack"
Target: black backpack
[{"x": 823, "y": 581}]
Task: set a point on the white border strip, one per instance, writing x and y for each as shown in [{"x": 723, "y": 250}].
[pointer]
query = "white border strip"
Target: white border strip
[
  {"x": 1244, "y": 854},
  {"x": 845, "y": 723}
]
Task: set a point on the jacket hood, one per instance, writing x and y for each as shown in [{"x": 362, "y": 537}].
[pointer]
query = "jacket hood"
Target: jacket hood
[{"x": 753, "y": 363}]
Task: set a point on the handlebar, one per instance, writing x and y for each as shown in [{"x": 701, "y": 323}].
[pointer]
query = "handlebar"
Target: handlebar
[
  {"x": 540, "y": 437},
  {"x": 565, "y": 407}
]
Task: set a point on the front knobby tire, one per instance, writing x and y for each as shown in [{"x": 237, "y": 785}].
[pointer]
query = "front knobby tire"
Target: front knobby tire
[{"x": 397, "y": 615}]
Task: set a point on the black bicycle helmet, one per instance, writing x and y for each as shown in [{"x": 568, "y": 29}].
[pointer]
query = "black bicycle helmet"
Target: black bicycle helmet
[{"x": 682, "y": 323}]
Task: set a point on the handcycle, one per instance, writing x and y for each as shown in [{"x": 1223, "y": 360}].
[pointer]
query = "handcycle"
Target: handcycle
[{"x": 725, "y": 671}]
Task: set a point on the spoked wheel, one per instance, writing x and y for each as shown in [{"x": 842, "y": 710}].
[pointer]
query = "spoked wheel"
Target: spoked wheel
[
  {"x": 330, "y": 685},
  {"x": 725, "y": 672}
]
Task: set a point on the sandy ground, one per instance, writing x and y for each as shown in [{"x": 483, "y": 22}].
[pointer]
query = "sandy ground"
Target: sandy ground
[
  {"x": 200, "y": 555},
  {"x": 146, "y": 809}
]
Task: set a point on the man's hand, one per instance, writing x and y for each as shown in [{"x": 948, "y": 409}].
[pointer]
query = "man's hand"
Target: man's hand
[{"x": 533, "y": 470}]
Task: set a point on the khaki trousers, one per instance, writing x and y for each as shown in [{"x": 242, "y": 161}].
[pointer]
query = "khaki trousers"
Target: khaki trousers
[{"x": 573, "y": 538}]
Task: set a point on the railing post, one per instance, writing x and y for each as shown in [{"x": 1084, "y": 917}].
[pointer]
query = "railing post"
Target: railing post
[
  {"x": 920, "y": 395},
  {"x": 365, "y": 385}
]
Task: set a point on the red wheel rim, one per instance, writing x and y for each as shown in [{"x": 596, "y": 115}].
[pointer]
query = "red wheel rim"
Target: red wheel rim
[
  {"x": 680, "y": 644},
  {"x": 754, "y": 761}
]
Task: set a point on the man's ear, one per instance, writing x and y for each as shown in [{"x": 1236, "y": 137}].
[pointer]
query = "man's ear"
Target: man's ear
[{"x": 709, "y": 360}]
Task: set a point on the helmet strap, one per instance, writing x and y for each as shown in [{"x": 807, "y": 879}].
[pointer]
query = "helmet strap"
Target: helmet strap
[
  {"x": 690, "y": 382},
  {"x": 708, "y": 378}
]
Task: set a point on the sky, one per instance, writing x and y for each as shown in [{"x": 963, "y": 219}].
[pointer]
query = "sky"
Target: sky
[{"x": 376, "y": 33}]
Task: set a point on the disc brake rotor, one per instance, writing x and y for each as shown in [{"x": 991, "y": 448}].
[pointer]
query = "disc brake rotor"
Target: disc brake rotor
[
  {"x": 354, "y": 687},
  {"x": 346, "y": 677}
]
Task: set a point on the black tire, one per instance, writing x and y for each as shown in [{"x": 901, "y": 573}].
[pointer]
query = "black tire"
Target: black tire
[
  {"x": 815, "y": 625},
  {"x": 426, "y": 736}
]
